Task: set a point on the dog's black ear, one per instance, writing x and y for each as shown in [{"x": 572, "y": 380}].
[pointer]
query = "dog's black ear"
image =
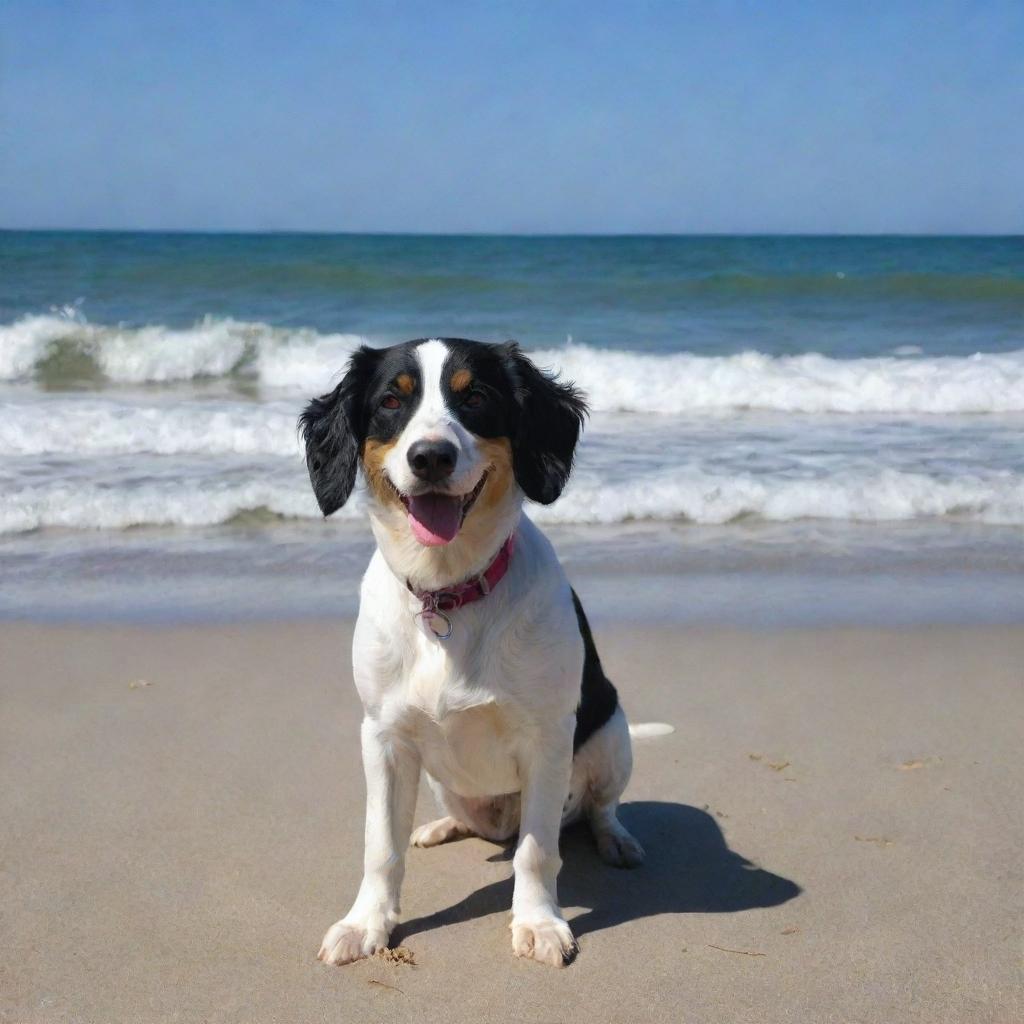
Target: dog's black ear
[
  {"x": 548, "y": 420},
  {"x": 333, "y": 427}
]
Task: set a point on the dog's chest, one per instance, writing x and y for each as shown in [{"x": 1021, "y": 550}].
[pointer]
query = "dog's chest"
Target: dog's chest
[{"x": 465, "y": 733}]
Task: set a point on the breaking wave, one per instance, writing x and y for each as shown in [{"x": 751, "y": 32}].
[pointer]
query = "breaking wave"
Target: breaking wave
[
  {"x": 810, "y": 383},
  {"x": 851, "y": 495},
  {"x": 86, "y": 426},
  {"x": 56, "y": 350},
  {"x": 681, "y": 496}
]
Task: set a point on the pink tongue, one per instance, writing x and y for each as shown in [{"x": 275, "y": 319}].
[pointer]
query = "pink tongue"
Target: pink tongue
[{"x": 435, "y": 518}]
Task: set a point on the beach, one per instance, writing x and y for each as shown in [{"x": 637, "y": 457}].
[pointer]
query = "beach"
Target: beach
[
  {"x": 833, "y": 833},
  {"x": 794, "y": 519},
  {"x": 727, "y": 300}
]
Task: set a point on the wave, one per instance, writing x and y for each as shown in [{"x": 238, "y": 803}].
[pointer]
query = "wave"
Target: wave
[
  {"x": 91, "y": 506},
  {"x": 84, "y": 426},
  {"x": 810, "y": 383},
  {"x": 693, "y": 497},
  {"x": 64, "y": 349},
  {"x": 58, "y": 350},
  {"x": 852, "y": 496}
]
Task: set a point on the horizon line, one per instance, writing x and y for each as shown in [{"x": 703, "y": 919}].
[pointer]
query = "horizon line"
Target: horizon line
[{"x": 506, "y": 234}]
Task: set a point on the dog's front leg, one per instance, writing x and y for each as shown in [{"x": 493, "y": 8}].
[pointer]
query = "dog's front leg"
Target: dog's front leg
[
  {"x": 538, "y": 928},
  {"x": 392, "y": 778}
]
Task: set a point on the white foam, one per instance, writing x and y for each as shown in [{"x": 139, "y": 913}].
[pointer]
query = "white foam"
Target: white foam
[
  {"x": 684, "y": 383},
  {"x": 128, "y": 355},
  {"x": 219, "y": 493},
  {"x": 306, "y": 362},
  {"x": 90, "y": 426},
  {"x": 121, "y": 457},
  {"x": 298, "y": 359},
  {"x": 90, "y": 506},
  {"x": 650, "y": 730},
  {"x": 853, "y": 495},
  {"x": 24, "y": 343},
  {"x": 213, "y": 348}
]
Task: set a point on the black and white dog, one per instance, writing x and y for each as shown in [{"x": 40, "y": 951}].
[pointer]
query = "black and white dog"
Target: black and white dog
[{"x": 472, "y": 654}]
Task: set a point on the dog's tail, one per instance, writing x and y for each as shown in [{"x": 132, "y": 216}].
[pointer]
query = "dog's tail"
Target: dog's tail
[{"x": 648, "y": 730}]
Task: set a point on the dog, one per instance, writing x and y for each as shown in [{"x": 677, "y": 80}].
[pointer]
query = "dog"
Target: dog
[{"x": 472, "y": 654}]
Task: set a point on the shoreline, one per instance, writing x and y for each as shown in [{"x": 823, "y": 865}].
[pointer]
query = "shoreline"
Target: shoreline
[{"x": 785, "y": 575}]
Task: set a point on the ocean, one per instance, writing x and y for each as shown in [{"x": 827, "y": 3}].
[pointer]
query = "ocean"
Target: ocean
[{"x": 783, "y": 429}]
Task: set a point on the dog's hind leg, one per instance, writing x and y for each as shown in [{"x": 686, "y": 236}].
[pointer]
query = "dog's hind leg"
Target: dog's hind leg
[
  {"x": 604, "y": 763},
  {"x": 494, "y": 818},
  {"x": 443, "y": 830}
]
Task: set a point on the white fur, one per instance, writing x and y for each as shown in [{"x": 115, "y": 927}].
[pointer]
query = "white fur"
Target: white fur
[
  {"x": 489, "y": 714},
  {"x": 649, "y": 730}
]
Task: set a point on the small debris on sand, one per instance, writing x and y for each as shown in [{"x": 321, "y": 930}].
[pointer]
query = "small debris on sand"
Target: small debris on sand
[
  {"x": 384, "y": 984},
  {"x": 776, "y": 766},
  {"x": 909, "y": 766},
  {"x": 881, "y": 840},
  {"x": 742, "y": 952},
  {"x": 138, "y": 684},
  {"x": 398, "y": 955},
  {"x": 789, "y": 931}
]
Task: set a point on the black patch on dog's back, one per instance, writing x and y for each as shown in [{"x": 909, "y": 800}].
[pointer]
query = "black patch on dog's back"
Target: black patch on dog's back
[{"x": 598, "y": 697}]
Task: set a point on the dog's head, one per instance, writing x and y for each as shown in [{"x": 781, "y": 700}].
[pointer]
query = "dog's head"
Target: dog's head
[{"x": 446, "y": 432}]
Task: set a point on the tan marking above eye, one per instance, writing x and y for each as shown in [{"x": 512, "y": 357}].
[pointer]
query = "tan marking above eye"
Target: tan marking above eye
[
  {"x": 405, "y": 383},
  {"x": 461, "y": 379}
]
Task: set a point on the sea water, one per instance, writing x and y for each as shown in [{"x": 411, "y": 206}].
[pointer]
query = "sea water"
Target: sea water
[{"x": 782, "y": 428}]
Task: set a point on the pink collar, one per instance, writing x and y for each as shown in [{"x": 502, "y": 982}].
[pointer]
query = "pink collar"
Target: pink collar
[{"x": 437, "y": 603}]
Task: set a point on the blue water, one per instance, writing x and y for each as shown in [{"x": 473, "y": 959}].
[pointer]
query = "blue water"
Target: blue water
[
  {"x": 782, "y": 428},
  {"x": 841, "y": 296}
]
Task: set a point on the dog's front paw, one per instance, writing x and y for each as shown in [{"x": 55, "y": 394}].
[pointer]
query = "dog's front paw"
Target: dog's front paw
[
  {"x": 548, "y": 941},
  {"x": 344, "y": 943}
]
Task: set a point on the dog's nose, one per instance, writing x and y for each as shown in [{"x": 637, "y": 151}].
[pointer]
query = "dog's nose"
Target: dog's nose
[{"x": 432, "y": 461}]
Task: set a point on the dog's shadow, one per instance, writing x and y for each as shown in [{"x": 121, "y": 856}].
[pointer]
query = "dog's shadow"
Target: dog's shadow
[{"x": 689, "y": 869}]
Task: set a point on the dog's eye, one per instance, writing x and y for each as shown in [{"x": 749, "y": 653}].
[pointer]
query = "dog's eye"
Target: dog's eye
[
  {"x": 390, "y": 402},
  {"x": 474, "y": 400}
]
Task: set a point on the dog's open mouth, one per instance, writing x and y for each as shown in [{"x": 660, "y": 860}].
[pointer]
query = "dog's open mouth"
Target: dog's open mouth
[{"x": 435, "y": 517}]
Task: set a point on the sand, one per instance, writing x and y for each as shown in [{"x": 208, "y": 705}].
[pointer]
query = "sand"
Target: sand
[{"x": 834, "y": 833}]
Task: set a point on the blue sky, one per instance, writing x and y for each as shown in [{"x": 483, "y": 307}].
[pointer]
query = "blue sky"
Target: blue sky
[{"x": 513, "y": 116}]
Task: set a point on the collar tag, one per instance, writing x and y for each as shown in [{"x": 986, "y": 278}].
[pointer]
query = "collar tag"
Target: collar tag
[
  {"x": 435, "y": 623},
  {"x": 434, "y": 617}
]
